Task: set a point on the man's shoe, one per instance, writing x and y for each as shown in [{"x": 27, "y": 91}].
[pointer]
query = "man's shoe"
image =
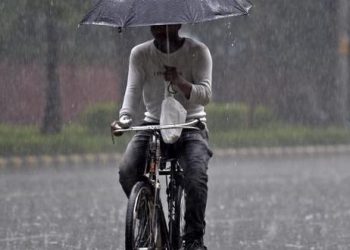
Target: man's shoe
[{"x": 195, "y": 245}]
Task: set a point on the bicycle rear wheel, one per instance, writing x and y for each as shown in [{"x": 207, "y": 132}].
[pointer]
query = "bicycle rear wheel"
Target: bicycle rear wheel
[
  {"x": 178, "y": 224},
  {"x": 139, "y": 218}
]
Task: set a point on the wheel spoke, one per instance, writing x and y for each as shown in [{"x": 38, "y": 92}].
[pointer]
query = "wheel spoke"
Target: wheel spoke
[
  {"x": 143, "y": 222},
  {"x": 139, "y": 218}
]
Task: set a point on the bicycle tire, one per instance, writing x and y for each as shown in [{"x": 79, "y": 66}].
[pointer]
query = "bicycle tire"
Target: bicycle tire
[
  {"x": 178, "y": 225},
  {"x": 139, "y": 216}
]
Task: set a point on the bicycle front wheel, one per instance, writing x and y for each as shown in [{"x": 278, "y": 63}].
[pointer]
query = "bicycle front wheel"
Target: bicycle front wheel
[{"x": 139, "y": 218}]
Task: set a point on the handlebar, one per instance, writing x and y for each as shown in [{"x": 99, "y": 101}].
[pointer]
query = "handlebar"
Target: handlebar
[{"x": 187, "y": 125}]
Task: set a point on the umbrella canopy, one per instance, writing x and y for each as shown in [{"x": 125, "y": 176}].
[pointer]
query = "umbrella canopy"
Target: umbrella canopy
[{"x": 128, "y": 13}]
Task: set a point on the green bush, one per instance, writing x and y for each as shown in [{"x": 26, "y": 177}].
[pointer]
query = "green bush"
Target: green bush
[
  {"x": 229, "y": 116},
  {"x": 98, "y": 117}
]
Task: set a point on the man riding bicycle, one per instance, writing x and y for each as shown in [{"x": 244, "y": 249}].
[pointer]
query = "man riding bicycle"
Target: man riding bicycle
[{"x": 187, "y": 65}]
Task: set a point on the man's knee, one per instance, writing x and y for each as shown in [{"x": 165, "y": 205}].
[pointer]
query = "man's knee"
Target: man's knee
[
  {"x": 127, "y": 176},
  {"x": 126, "y": 181}
]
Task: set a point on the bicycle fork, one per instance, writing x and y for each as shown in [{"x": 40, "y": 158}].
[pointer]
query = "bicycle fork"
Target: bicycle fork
[{"x": 160, "y": 236}]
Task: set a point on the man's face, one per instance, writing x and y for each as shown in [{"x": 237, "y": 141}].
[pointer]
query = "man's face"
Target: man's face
[{"x": 159, "y": 31}]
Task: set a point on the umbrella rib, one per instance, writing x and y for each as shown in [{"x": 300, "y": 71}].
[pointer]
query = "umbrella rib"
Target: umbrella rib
[
  {"x": 128, "y": 16},
  {"x": 89, "y": 13},
  {"x": 190, "y": 15},
  {"x": 242, "y": 8}
]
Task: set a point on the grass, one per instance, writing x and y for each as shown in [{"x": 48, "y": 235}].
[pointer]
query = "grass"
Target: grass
[{"x": 27, "y": 140}]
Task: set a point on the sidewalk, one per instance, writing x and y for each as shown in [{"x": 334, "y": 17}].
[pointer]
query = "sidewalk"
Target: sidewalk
[{"x": 104, "y": 159}]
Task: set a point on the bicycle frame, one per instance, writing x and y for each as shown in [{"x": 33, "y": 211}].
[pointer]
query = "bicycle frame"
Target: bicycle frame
[{"x": 156, "y": 167}]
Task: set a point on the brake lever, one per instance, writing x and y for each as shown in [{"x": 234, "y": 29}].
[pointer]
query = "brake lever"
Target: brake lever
[{"x": 112, "y": 135}]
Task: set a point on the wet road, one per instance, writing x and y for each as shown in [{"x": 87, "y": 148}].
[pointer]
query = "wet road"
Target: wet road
[{"x": 261, "y": 203}]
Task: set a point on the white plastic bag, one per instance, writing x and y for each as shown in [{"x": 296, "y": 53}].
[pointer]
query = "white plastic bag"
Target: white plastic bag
[{"x": 172, "y": 113}]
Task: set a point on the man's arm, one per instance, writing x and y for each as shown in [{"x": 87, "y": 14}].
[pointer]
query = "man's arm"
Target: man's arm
[
  {"x": 134, "y": 86},
  {"x": 202, "y": 73},
  {"x": 200, "y": 90}
]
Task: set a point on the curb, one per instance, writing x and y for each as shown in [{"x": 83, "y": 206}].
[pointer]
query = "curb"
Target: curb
[
  {"x": 58, "y": 160},
  {"x": 284, "y": 151},
  {"x": 105, "y": 158}
]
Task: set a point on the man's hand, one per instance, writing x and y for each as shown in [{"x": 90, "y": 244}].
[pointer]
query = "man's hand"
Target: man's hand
[
  {"x": 171, "y": 75},
  {"x": 176, "y": 79},
  {"x": 114, "y": 129},
  {"x": 124, "y": 122}
]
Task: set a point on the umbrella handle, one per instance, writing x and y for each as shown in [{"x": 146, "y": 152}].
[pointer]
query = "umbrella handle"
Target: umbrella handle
[{"x": 167, "y": 43}]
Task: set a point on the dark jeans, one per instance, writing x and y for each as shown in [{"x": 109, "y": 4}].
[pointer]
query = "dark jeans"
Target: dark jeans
[{"x": 193, "y": 155}]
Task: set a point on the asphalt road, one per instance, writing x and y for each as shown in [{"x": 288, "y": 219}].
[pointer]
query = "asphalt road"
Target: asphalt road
[{"x": 299, "y": 202}]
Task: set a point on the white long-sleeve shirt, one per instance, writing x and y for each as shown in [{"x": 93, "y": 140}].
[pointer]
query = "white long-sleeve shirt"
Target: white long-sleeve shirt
[{"x": 146, "y": 80}]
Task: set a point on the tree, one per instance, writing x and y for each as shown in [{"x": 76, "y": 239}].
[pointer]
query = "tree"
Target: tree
[
  {"x": 36, "y": 31},
  {"x": 52, "y": 122}
]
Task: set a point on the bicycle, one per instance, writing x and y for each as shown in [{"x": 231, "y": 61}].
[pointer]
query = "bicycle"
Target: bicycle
[{"x": 145, "y": 225}]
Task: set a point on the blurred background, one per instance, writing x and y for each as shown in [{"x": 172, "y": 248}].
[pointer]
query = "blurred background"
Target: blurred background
[
  {"x": 281, "y": 76},
  {"x": 280, "y": 79}
]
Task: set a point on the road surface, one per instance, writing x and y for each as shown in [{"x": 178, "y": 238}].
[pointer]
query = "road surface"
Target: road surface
[{"x": 294, "y": 202}]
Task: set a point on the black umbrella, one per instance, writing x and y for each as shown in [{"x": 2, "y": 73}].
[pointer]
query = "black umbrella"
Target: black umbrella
[{"x": 127, "y": 13}]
